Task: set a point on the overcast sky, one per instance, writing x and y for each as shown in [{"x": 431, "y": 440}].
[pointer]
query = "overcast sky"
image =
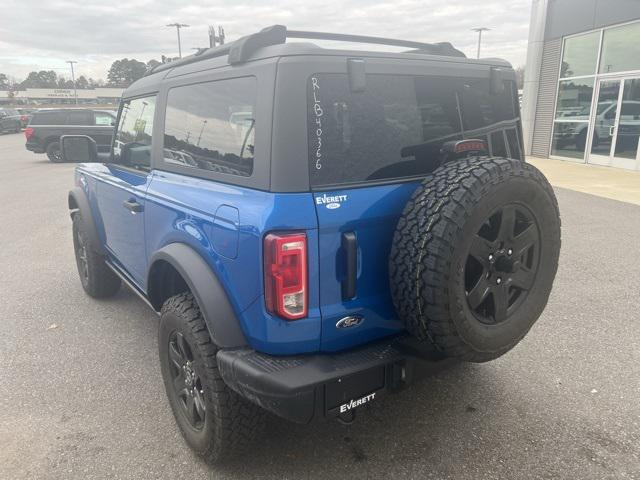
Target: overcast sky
[{"x": 38, "y": 34}]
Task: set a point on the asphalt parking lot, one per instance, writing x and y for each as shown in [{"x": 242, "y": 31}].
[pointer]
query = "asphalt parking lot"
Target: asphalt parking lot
[{"x": 81, "y": 394}]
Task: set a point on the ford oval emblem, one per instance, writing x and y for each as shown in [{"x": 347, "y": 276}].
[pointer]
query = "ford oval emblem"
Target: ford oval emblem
[
  {"x": 350, "y": 321},
  {"x": 333, "y": 206}
]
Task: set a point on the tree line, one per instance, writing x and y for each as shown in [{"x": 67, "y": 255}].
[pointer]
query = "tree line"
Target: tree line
[{"x": 121, "y": 74}]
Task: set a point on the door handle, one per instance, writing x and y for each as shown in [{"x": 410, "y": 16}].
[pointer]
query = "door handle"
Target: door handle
[
  {"x": 350, "y": 248},
  {"x": 133, "y": 206},
  {"x": 611, "y": 128}
]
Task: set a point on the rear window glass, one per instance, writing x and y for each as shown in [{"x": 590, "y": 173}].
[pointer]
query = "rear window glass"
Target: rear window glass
[
  {"x": 396, "y": 127},
  {"x": 48, "y": 118},
  {"x": 211, "y": 126}
]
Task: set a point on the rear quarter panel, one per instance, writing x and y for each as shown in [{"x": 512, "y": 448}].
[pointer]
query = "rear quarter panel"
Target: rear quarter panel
[{"x": 183, "y": 209}]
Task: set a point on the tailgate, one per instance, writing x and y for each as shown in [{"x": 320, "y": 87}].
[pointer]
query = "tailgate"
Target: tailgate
[{"x": 356, "y": 228}]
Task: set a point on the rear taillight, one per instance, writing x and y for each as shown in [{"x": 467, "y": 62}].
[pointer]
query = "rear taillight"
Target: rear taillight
[
  {"x": 28, "y": 132},
  {"x": 285, "y": 275}
]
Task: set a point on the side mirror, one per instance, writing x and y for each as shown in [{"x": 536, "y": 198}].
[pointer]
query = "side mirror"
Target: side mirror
[{"x": 78, "y": 149}]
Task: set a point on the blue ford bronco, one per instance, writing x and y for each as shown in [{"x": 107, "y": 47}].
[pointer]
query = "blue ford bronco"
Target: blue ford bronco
[{"x": 315, "y": 227}]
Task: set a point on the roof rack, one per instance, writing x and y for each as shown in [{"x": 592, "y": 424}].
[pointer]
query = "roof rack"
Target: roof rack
[
  {"x": 241, "y": 50},
  {"x": 442, "y": 48}
]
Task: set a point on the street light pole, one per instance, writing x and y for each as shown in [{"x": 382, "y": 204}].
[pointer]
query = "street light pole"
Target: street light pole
[
  {"x": 480, "y": 30},
  {"x": 73, "y": 79},
  {"x": 178, "y": 27}
]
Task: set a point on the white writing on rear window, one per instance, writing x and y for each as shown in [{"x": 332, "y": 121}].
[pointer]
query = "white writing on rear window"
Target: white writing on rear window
[{"x": 317, "y": 110}]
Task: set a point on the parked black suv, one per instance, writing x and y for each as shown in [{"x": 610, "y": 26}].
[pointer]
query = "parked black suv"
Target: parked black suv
[
  {"x": 46, "y": 127},
  {"x": 9, "y": 120}
]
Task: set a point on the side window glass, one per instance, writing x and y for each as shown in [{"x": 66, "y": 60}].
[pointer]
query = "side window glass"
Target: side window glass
[
  {"x": 103, "y": 118},
  {"x": 79, "y": 118},
  {"x": 132, "y": 144},
  {"x": 211, "y": 126}
]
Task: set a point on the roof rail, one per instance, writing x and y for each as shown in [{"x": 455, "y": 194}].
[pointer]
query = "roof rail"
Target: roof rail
[
  {"x": 442, "y": 48},
  {"x": 241, "y": 50}
]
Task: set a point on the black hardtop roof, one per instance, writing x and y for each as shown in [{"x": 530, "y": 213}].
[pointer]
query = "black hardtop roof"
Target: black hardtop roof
[{"x": 270, "y": 42}]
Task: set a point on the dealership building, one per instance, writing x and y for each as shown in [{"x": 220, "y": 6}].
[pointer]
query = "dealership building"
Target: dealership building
[
  {"x": 61, "y": 96},
  {"x": 582, "y": 85}
]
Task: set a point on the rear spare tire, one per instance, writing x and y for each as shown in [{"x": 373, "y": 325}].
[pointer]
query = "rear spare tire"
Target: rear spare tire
[{"x": 474, "y": 256}]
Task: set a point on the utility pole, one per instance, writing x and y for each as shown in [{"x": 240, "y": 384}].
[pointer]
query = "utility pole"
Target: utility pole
[
  {"x": 178, "y": 27},
  {"x": 480, "y": 30},
  {"x": 73, "y": 79}
]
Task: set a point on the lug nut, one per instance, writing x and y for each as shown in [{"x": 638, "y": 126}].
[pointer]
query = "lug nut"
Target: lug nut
[
  {"x": 498, "y": 280},
  {"x": 490, "y": 258},
  {"x": 509, "y": 252}
]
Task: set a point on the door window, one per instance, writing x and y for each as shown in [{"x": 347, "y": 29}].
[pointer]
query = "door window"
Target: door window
[
  {"x": 132, "y": 144},
  {"x": 79, "y": 117},
  {"x": 605, "y": 117},
  {"x": 629, "y": 123}
]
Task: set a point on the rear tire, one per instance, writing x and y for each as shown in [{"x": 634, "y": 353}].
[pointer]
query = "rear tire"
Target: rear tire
[
  {"x": 54, "y": 153},
  {"x": 474, "y": 256},
  {"x": 215, "y": 421},
  {"x": 96, "y": 277}
]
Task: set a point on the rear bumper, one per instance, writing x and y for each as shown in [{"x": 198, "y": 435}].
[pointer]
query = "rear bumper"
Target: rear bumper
[
  {"x": 34, "y": 147},
  {"x": 313, "y": 387}
]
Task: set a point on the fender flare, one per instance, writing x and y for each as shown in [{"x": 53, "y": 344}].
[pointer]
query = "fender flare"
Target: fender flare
[
  {"x": 77, "y": 200},
  {"x": 219, "y": 315}
]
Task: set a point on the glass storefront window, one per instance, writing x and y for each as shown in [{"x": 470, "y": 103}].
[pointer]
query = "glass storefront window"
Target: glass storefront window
[
  {"x": 580, "y": 55},
  {"x": 569, "y": 139},
  {"x": 614, "y": 127},
  {"x": 628, "y": 131},
  {"x": 621, "y": 49},
  {"x": 574, "y": 99}
]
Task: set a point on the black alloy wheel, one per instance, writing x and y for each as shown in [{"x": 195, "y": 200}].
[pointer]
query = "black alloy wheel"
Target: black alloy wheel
[
  {"x": 56, "y": 155},
  {"x": 186, "y": 381},
  {"x": 81, "y": 256},
  {"x": 502, "y": 263}
]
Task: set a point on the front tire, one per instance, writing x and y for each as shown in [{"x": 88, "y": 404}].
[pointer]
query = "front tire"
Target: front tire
[
  {"x": 96, "y": 277},
  {"x": 474, "y": 256},
  {"x": 215, "y": 421}
]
